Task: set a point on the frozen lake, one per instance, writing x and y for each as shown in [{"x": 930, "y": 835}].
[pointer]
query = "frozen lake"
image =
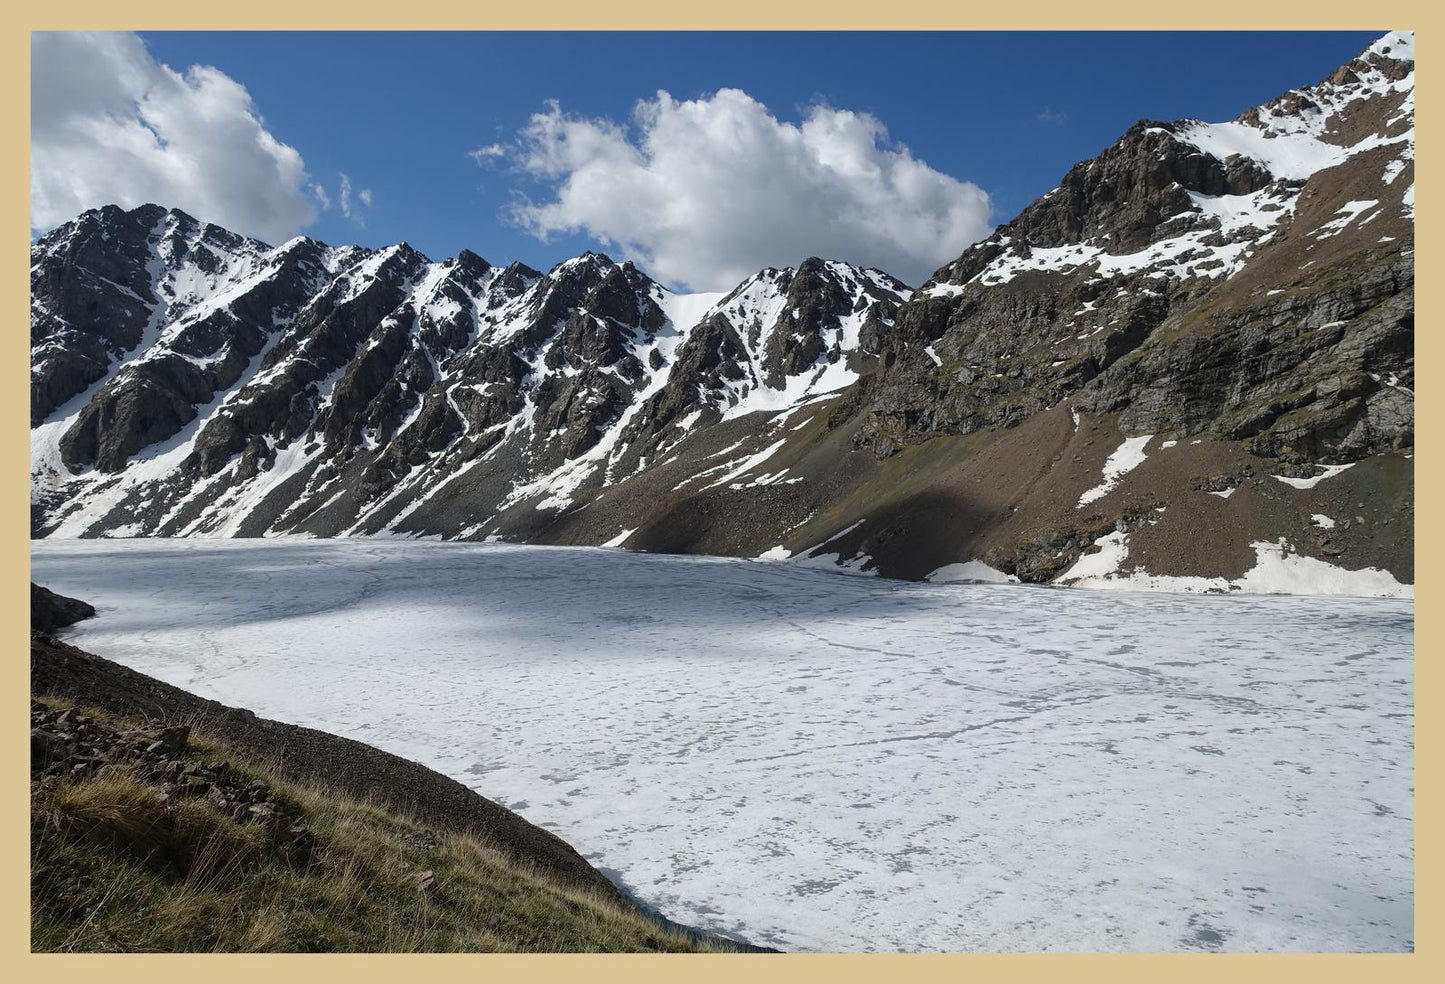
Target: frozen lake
[{"x": 817, "y": 762}]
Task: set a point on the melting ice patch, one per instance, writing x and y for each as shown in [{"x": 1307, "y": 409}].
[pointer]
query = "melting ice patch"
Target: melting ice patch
[
  {"x": 832, "y": 763},
  {"x": 861, "y": 565}
]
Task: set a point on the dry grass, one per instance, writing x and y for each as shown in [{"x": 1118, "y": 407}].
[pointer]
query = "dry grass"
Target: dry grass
[{"x": 115, "y": 868}]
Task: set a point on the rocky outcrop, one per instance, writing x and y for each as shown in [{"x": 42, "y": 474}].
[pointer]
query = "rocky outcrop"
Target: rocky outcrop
[
  {"x": 66, "y": 744},
  {"x": 1131, "y": 192},
  {"x": 1264, "y": 297},
  {"x": 91, "y": 301},
  {"x": 50, "y": 611}
]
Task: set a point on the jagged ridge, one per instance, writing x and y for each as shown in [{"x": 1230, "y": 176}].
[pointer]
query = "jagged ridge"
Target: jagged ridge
[{"x": 362, "y": 380}]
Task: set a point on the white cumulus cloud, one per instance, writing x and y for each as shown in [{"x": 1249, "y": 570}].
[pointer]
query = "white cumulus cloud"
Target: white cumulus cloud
[
  {"x": 111, "y": 125},
  {"x": 707, "y": 191}
]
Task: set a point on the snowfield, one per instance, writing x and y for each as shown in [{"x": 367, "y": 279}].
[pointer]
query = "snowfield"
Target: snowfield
[{"x": 816, "y": 762}]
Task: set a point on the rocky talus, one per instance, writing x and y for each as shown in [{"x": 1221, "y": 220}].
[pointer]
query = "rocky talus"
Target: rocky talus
[{"x": 66, "y": 744}]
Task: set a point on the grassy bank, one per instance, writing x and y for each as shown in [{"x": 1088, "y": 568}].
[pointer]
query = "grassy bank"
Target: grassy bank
[{"x": 118, "y": 863}]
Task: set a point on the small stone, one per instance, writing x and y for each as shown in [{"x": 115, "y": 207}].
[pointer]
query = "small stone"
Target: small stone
[
  {"x": 44, "y": 746},
  {"x": 174, "y": 739},
  {"x": 426, "y": 883}
]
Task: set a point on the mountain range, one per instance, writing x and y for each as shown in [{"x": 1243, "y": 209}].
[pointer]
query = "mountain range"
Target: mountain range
[{"x": 1189, "y": 366}]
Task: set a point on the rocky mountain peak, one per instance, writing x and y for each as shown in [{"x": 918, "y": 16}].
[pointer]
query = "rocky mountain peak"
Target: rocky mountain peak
[
  {"x": 1133, "y": 285},
  {"x": 468, "y": 260}
]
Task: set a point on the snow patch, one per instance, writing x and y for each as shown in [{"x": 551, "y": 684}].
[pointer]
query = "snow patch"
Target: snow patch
[
  {"x": 748, "y": 464},
  {"x": 1126, "y": 458},
  {"x": 1329, "y": 471},
  {"x": 1278, "y": 569},
  {"x": 975, "y": 571},
  {"x": 617, "y": 540}
]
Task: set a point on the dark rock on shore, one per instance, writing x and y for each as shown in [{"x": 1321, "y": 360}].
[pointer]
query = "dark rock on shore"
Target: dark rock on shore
[{"x": 50, "y": 611}]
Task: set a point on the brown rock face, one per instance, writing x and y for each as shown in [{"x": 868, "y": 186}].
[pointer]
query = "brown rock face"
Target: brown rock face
[{"x": 1187, "y": 292}]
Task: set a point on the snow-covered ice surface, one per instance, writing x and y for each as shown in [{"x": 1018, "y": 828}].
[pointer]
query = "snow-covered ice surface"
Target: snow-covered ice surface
[{"x": 827, "y": 763}]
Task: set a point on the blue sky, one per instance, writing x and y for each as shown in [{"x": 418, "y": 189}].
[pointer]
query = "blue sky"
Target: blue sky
[{"x": 1008, "y": 113}]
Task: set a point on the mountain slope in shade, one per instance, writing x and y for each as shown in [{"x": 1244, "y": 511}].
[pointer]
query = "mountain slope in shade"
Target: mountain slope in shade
[{"x": 1190, "y": 366}]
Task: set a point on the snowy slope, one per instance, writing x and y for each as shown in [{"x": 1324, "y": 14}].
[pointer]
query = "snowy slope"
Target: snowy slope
[{"x": 1291, "y": 139}]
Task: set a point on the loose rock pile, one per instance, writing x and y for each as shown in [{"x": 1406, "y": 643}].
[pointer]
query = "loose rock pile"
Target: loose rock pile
[{"x": 67, "y": 744}]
